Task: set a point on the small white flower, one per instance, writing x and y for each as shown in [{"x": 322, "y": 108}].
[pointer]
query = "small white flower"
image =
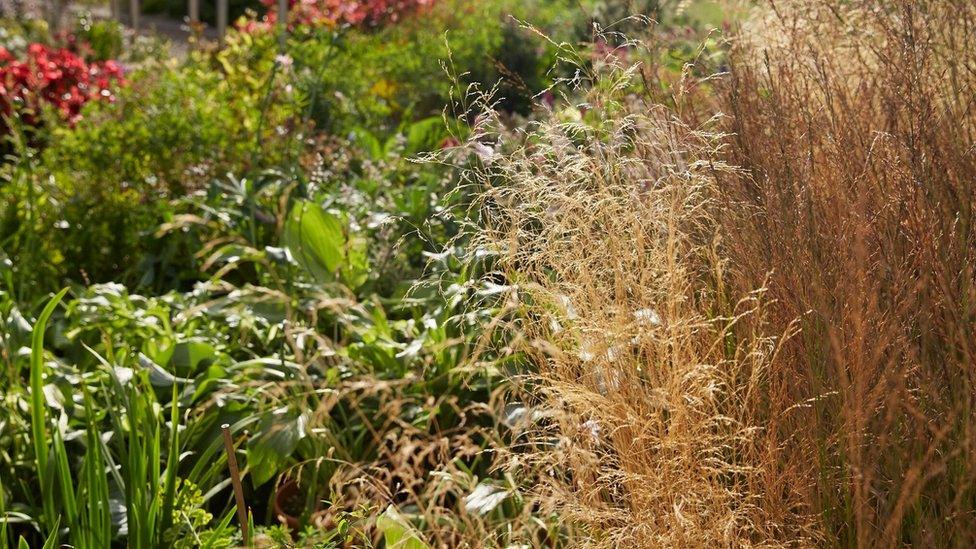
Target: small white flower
[
  {"x": 484, "y": 152},
  {"x": 647, "y": 316},
  {"x": 593, "y": 428},
  {"x": 284, "y": 60}
]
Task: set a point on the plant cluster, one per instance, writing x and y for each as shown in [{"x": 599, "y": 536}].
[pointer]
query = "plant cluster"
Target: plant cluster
[
  {"x": 318, "y": 303},
  {"x": 460, "y": 281},
  {"x": 858, "y": 136},
  {"x": 603, "y": 225},
  {"x": 365, "y": 13},
  {"x": 56, "y": 78},
  {"x": 748, "y": 294}
]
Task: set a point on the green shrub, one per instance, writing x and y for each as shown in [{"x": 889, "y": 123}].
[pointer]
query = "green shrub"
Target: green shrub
[
  {"x": 407, "y": 71},
  {"x": 86, "y": 208},
  {"x": 175, "y": 127},
  {"x": 104, "y": 38}
]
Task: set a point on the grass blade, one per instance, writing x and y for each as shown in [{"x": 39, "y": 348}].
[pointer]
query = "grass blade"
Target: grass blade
[
  {"x": 52, "y": 540},
  {"x": 39, "y": 410},
  {"x": 172, "y": 464}
]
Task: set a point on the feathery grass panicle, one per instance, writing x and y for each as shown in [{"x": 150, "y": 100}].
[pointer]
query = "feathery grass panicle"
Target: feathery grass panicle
[
  {"x": 605, "y": 223},
  {"x": 779, "y": 352}
]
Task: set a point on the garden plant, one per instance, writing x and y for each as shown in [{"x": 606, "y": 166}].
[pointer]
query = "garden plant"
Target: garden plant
[{"x": 491, "y": 273}]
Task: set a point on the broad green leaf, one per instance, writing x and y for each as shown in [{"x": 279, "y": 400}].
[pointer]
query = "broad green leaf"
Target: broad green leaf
[
  {"x": 188, "y": 357},
  {"x": 318, "y": 241},
  {"x": 397, "y": 533},
  {"x": 315, "y": 239},
  {"x": 160, "y": 350},
  {"x": 425, "y": 135},
  {"x": 370, "y": 143},
  {"x": 356, "y": 270},
  {"x": 279, "y": 435}
]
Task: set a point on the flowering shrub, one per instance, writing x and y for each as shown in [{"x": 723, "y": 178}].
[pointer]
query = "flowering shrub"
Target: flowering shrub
[
  {"x": 335, "y": 12},
  {"x": 56, "y": 77}
]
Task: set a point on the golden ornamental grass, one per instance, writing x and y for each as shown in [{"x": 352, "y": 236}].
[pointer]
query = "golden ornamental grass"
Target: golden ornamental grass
[
  {"x": 606, "y": 228},
  {"x": 755, "y": 327}
]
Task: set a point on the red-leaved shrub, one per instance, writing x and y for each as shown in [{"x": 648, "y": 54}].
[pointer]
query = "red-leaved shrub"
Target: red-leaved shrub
[{"x": 56, "y": 77}]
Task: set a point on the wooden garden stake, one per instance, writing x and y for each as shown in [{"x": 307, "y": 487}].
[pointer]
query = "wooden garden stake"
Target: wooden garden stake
[
  {"x": 235, "y": 478},
  {"x": 134, "y": 10},
  {"x": 222, "y": 10},
  {"x": 283, "y": 24}
]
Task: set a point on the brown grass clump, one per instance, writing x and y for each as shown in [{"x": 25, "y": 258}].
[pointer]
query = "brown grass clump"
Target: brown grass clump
[
  {"x": 779, "y": 353},
  {"x": 605, "y": 227},
  {"x": 855, "y": 124}
]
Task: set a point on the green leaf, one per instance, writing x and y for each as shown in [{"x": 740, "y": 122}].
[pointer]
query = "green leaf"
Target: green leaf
[
  {"x": 397, "y": 533},
  {"x": 319, "y": 242},
  {"x": 188, "y": 356},
  {"x": 316, "y": 239},
  {"x": 426, "y": 135},
  {"x": 370, "y": 143},
  {"x": 160, "y": 350},
  {"x": 39, "y": 411},
  {"x": 269, "y": 452},
  {"x": 158, "y": 376},
  {"x": 356, "y": 270},
  {"x": 52, "y": 540},
  {"x": 172, "y": 463}
]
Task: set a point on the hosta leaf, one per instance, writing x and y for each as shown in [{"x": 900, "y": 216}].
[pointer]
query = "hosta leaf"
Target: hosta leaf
[
  {"x": 319, "y": 242},
  {"x": 315, "y": 239},
  {"x": 425, "y": 135},
  {"x": 188, "y": 357},
  {"x": 279, "y": 435}
]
